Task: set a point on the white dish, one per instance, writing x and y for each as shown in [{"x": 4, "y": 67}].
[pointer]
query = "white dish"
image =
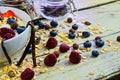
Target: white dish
[{"x": 16, "y": 44}]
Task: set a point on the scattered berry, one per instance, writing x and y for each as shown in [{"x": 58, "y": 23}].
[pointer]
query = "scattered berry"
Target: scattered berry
[
  {"x": 57, "y": 53},
  {"x": 54, "y": 23},
  {"x": 5, "y": 30},
  {"x": 118, "y": 38},
  {"x": 11, "y": 20},
  {"x": 85, "y": 34},
  {"x": 53, "y": 33},
  {"x": 75, "y": 26},
  {"x": 35, "y": 22},
  {"x": 75, "y": 46},
  {"x": 13, "y": 25},
  {"x": 51, "y": 43},
  {"x": 98, "y": 37},
  {"x": 41, "y": 25},
  {"x": 20, "y": 29},
  {"x": 72, "y": 30},
  {"x": 72, "y": 35},
  {"x": 87, "y": 44},
  {"x": 95, "y": 53},
  {"x": 87, "y": 23},
  {"x": 29, "y": 50},
  {"x": 74, "y": 57},
  {"x": 69, "y": 20},
  {"x": 50, "y": 60},
  {"x": 64, "y": 48},
  {"x": 27, "y": 74},
  {"x": 99, "y": 43},
  {"x": 47, "y": 26}
]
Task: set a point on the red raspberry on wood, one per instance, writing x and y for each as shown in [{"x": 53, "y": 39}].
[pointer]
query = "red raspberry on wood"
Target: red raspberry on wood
[
  {"x": 74, "y": 57},
  {"x": 64, "y": 48},
  {"x": 51, "y": 43},
  {"x": 50, "y": 60}
]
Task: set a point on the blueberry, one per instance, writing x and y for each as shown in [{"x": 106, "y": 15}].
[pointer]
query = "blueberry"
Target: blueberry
[
  {"x": 20, "y": 29},
  {"x": 41, "y": 25},
  {"x": 11, "y": 20},
  {"x": 99, "y": 43},
  {"x": 95, "y": 53},
  {"x": 29, "y": 50},
  {"x": 75, "y": 26},
  {"x": 53, "y": 33},
  {"x": 54, "y": 23},
  {"x": 72, "y": 35},
  {"x": 36, "y": 22},
  {"x": 87, "y": 44},
  {"x": 85, "y": 34}
]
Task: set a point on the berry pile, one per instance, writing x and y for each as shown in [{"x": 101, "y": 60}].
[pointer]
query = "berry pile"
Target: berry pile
[{"x": 13, "y": 21}]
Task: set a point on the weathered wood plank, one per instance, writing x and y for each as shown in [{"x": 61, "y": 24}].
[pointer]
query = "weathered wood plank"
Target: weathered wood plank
[
  {"x": 107, "y": 63},
  {"x": 88, "y": 3}
]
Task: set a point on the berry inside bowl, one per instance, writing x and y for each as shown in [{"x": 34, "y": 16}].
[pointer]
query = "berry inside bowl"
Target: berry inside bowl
[{"x": 16, "y": 44}]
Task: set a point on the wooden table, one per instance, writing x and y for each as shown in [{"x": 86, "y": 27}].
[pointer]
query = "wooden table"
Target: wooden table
[{"x": 106, "y": 15}]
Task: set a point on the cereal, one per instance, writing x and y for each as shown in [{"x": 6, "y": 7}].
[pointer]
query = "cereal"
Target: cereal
[
  {"x": 91, "y": 73},
  {"x": 102, "y": 74}
]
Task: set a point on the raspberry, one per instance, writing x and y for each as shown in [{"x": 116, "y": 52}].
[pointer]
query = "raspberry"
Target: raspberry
[
  {"x": 64, "y": 48},
  {"x": 74, "y": 57},
  {"x": 51, "y": 43},
  {"x": 8, "y": 36},
  {"x": 5, "y": 30},
  {"x": 27, "y": 74},
  {"x": 50, "y": 60}
]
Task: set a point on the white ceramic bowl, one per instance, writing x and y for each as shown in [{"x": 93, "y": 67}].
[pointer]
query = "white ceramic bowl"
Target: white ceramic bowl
[{"x": 17, "y": 44}]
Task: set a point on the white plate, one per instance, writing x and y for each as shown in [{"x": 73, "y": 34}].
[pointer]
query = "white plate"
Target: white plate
[{"x": 16, "y": 44}]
